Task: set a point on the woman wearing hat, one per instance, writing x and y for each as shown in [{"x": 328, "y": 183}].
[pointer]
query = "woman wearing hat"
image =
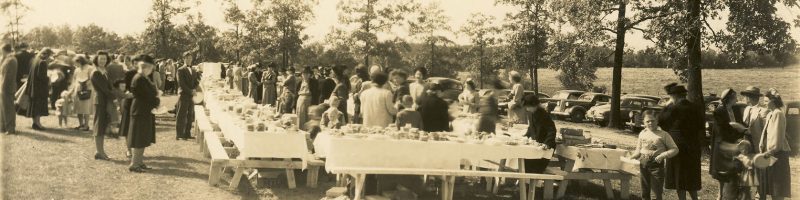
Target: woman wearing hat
[
  {"x": 724, "y": 139},
  {"x": 142, "y": 129},
  {"x": 774, "y": 144},
  {"x": 683, "y": 120},
  {"x": 38, "y": 88},
  {"x": 515, "y": 111}
]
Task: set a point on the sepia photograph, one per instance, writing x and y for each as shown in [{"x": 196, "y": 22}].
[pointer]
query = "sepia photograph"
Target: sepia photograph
[{"x": 399, "y": 99}]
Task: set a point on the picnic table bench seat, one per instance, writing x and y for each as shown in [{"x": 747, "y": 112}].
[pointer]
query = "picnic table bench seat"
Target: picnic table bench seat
[{"x": 448, "y": 176}]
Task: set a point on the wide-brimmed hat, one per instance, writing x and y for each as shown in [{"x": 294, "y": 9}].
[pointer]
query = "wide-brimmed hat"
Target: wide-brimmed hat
[
  {"x": 674, "y": 88},
  {"x": 751, "y": 91},
  {"x": 727, "y": 92}
]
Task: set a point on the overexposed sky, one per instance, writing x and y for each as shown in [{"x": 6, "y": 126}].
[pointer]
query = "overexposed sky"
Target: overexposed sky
[{"x": 128, "y": 16}]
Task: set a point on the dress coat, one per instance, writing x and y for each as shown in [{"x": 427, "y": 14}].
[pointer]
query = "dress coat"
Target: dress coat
[
  {"x": 103, "y": 97},
  {"x": 269, "y": 81},
  {"x": 38, "y": 90},
  {"x": 8, "y": 87},
  {"x": 434, "y": 110},
  {"x": 683, "y": 121},
  {"x": 125, "y": 119},
  {"x": 142, "y": 130},
  {"x": 24, "y": 63},
  {"x": 723, "y": 132}
]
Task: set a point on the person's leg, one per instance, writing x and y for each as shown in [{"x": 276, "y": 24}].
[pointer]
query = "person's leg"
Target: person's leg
[
  {"x": 693, "y": 194},
  {"x": 682, "y": 194},
  {"x": 645, "y": 180},
  {"x": 657, "y": 180},
  {"x": 181, "y": 118},
  {"x": 100, "y": 152}
]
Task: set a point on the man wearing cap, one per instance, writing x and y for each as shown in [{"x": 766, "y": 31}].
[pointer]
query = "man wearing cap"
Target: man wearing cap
[
  {"x": 187, "y": 82},
  {"x": 681, "y": 119},
  {"x": 24, "y": 62}
]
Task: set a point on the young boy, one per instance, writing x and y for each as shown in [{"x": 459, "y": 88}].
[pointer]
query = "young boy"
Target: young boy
[
  {"x": 63, "y": 108},
  {"x": 333, "y": 117},
  {"x": 653, "y": 147},
  {"x": 408, "y": 115}
]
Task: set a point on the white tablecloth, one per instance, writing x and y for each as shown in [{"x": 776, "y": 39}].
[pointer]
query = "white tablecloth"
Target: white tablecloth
[
  {"x": 270, "y": 144},
  {"x": 348, "y": 152}
]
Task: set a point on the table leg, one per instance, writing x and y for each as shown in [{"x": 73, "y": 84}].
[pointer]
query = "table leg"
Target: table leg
[
  {"x": 532, "y": 189},
  {"x": 496, "y": 185},
  {"x": 359, "y": 186},
  {"x": 489, "y": 181},
  {"x": 237, "y": 177},
  {"x": 562, "y": 188},
  {"x": 523, "y": 192},
  {"x": 608, "y": 186},
  {"x": 625, "y": 185},
  {"x": 448, "y": 186}
]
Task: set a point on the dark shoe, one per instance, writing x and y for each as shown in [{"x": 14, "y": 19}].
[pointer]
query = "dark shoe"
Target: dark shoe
[
  {"x": 78, "y": 128},
  {"x": 37, "y": 127},
  {"x": 190, "y": 138},
  {"x": 136, "y": 169},
  {"x": 101, "y": 157},
  {"x": 145, "y": 167},
  {"x": 85, "y": 129}
]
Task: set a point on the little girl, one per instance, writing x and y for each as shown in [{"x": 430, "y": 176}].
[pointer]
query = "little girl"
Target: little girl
[
  {"x": 747, "y": 176},
  {"x": 63, "y": 109},
  {"x": 653, "y": 147},
  {"x": 333, "y": 117}
]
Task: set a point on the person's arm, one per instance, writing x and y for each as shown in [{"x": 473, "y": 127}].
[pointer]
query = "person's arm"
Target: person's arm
[
  {"x": 721, "y": 120},
  {"x": 638, "y": 151},
  {"x": 672, "y": 148},
  {"x": 101, "y": 84},
  {"x": 776, "y": 134},
  {"x": 550, "y": 129},
  {"x": 389, "y": 104}
]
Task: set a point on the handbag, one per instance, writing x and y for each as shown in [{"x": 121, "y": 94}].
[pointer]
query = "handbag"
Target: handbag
[{"x": 84, "y": 93}]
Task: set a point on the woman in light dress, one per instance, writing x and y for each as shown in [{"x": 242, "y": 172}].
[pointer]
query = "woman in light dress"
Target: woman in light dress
[{"x": 81, "y": 78}]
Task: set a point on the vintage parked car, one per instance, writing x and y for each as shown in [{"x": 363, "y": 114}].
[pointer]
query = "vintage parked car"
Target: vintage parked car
[
  {"x": 793, "y": 125},
  {"x": 635, "y": 122},
  {"x": 503, "y": 95},
  {"x": 601, "y": 114},
  {"x": 550, "y": 103},
  {"x": 576, "y": 109},
  {"x": 453, "y": 87}
]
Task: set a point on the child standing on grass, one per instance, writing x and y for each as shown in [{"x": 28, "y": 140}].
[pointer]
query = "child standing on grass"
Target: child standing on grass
[
  {"x": 653, "y": 147},
  {"x": 408, "y": 115},
  {"x": 63, "y": 108},
  {"x": 747, "y": 175}
]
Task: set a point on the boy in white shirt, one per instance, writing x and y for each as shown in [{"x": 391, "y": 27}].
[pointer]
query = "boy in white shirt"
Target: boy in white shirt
[{"x": 652, "y": 149}]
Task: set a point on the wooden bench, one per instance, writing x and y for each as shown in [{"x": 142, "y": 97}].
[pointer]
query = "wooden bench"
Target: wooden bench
[
  {"x": 448, "y": 177},
  {"x": 201, "y": 124},
  {"x": 220, "y": 161}
]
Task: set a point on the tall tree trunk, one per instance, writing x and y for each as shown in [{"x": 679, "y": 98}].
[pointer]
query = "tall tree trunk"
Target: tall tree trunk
[
  {"x": 693, "y": 45},
  {"x": 615, "y": 119},
  {"x": 480, "y": 65}
]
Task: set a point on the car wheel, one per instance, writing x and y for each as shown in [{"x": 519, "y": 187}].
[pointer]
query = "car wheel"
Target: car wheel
[
  {"x": 602, "y": 123},
  {"x": 577, "y": 116}
]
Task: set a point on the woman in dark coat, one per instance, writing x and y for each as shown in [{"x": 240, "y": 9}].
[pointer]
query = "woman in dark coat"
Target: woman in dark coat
[
  {"x": 683, "y": 120},
  {"x": 434, "y": 110},
  {"x": 125, "y": 119},
  {"x": 721, "y": 164},
  {"x": 38, "y": 88},
  {"x": 8, "y": 87},
  {"x": 142, "y": 132},
  {"x": 540, "y": 128},
  {"x": 103, "y": 101}
]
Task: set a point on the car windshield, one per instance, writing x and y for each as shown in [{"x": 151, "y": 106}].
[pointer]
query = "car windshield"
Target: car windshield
[
  {"x": 561, "y": 95},
  {"x": 586, "y": 97},
  {"x": 626, "y": 102}
]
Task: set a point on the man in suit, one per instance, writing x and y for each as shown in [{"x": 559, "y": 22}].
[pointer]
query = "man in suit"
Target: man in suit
[
  {"x": 187, "y": 83},
  {"x": 24, "y": 62}
]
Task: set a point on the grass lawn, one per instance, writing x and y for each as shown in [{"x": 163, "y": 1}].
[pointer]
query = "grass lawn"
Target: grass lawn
[{"x": 59, "y": 164}]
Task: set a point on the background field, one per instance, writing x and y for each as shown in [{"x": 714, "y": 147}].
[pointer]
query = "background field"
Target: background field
[{"x": 650, "y": 80}]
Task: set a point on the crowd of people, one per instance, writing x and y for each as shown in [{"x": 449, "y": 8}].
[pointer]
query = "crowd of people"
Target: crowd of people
[{"x": 123, "y": 93}]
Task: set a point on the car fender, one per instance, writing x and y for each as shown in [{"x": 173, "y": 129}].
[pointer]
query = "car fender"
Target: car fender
[{"x": 576, "y": 108}]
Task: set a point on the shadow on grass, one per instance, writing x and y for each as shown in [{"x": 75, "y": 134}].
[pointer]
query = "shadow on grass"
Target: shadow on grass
[{"x": 38, "y": 135}]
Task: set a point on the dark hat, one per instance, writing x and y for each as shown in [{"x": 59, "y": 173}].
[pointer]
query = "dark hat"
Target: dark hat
[
  {"x": 674, "y": 88},
  {"x": 726, "y": 93},
  {"x": 530, "y": 100},
  {"x": 751, "y": 91},
  {"x": 144, "y": 58}
]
